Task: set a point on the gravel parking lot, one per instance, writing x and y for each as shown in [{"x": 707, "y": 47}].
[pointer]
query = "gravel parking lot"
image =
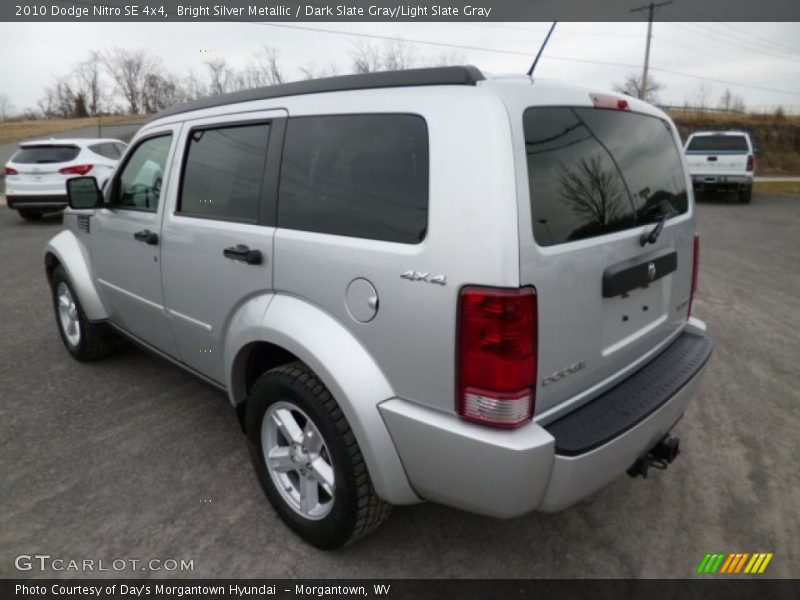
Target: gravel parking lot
[{"x": 132, "y": 458}]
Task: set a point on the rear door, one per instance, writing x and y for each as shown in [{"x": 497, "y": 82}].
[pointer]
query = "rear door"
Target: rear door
[
  {"x": 597, "y": 179},
  {"x": 217, "y": 237},
  {"x": 718, "y": 154}
]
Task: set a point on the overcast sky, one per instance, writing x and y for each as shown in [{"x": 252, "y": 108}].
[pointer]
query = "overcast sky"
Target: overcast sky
[{"x": 762, "y": 55}]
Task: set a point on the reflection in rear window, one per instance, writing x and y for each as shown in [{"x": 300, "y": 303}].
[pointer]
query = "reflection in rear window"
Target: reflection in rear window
[
  {"x": 718, "y": 143},
  {"x": 45, "y": 154},
  {"x": 593, "y": 172}
]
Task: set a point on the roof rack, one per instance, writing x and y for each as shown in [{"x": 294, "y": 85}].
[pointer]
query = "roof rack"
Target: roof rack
[{"x": 463, "y": 75}]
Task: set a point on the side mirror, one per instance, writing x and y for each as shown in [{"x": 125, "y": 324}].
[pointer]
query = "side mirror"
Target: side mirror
[{"x": 82, "y": 193}]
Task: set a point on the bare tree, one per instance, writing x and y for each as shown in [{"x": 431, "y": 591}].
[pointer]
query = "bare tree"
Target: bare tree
[
  {"x": 88, "y": 81},
  {"x": 726, "y": 100},
  {"x": 6, "y": 108},
  {"x": 446, "y": 59},
  {"x": 366, "y": 57},
  {"x": 65, "y": 100},
  {"x": 47, "y": 103},
  {"x": 312, "y": 71},
  {"x": 398, "y": 55},
  {"x": 264, "y": 70},
  {"x": 702, "y": 95},
  {"x": 632, "y": 86},
  {"x": 160, "y": 91},
  {"x": 222, "y": 78},
  {"x": 193, "y": 88},
  {"x": 129, "y": 70}
]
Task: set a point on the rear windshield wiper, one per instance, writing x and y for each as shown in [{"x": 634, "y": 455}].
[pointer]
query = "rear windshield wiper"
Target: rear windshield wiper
[{"x": 651, "y": 237}]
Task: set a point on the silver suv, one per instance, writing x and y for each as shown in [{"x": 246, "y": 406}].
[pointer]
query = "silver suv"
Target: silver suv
[{"x": 417, "y": 285}]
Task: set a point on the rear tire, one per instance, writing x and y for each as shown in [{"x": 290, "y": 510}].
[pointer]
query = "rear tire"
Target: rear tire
[
  {"x": 85, "y": 341},
  {"x": 30, "y": 214},
  {"x": 745, "y": 195},
  {"x": 321, "y": 460}
]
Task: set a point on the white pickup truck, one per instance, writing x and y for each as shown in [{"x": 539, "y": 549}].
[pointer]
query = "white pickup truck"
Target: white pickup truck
[{"x": 721, "y": 161}]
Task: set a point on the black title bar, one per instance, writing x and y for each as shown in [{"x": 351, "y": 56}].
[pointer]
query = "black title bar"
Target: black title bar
[{"x": 383, "y": 10}]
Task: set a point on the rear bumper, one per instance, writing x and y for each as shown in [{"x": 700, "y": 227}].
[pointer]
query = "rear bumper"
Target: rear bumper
[
  {"x": 509, "y": 473},
  {"x": 36, "y": 201},
  {"x": 712, "y": 181}
]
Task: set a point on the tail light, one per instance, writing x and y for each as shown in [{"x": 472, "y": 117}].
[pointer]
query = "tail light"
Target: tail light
[
  {"x": 76, "y": 170},
  {"x": 695, "y": 266},
  {"x": 497, "y": 347},
  {"x": 751, "y": 163},
  {"x": 11, "y": 171}
]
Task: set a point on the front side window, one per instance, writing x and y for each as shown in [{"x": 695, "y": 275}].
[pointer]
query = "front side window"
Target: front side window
[
  {"x": 223, "y": 172},
  {"x": 363, "y": 176},
  {"x": 139, "y": 183},
  {"x": 593, "y": 171}
]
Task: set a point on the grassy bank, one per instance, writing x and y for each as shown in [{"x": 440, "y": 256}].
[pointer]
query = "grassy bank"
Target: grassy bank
[
  {"x": 790, "y": 188},
  {"x": 23, "y": 130}
]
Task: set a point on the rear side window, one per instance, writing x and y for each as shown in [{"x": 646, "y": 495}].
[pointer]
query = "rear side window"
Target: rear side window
[
  {"x": 46, "y": 154},
  {"x": 718, "y": 143},
  {"x": 363, "y": 176},
  {"x": 593, "y": 172},
  {"x": 223, "y": 171},
  {"x": 106, "y": 150}
]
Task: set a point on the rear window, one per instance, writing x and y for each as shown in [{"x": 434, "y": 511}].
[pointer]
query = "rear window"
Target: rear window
[
  {"x": 593, "y": 172},
  {"x": 718, "y": 143},
  {"x": 363, "y": 176},
  {"x": 46, "y": 154}
]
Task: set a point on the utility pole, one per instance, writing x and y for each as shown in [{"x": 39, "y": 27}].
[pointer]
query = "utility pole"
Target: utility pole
[{"x": 651, "y": 8}]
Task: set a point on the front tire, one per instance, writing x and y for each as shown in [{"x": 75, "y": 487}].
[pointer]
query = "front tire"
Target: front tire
[
  {"x": 30, "y": 214},
  {"x": 84, "y": 340},
  {"x": 308, "y": 461}
]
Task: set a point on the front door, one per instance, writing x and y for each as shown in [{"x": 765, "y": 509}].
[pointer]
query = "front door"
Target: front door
[
  {"x": 126, "y": 242},
  {"x": 218, "y": 234}
]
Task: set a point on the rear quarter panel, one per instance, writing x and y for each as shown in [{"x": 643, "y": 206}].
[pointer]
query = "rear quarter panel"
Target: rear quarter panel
[{"x": 471, "y": 239}]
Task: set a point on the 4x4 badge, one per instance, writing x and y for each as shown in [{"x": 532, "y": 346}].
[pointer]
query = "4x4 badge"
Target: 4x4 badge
[{"x": 419, "y": 276}]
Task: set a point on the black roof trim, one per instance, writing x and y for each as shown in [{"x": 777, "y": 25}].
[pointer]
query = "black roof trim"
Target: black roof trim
[{"x": 466, "y": 75}]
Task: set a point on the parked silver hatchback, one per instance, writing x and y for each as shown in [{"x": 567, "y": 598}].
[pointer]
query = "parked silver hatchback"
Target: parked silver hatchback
[{"x": 416, "y": 285}]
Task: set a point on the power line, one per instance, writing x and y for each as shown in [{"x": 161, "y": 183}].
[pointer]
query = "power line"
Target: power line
[
  {"x": 708, "y": 34},
  {"x": 761, "y": 40},
  {"x": 526, "y": 54},
  {"x": 725, "y": 59}
]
